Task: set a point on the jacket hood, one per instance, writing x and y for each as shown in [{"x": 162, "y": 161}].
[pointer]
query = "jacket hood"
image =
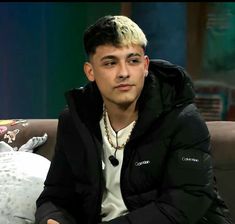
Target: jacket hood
[
  {"x": 171, "y": 82},
  {"x": 166, "y": 86}
]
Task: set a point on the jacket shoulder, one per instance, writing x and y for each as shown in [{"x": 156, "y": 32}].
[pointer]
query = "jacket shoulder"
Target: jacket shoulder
[{"x": 65, "y": 119}]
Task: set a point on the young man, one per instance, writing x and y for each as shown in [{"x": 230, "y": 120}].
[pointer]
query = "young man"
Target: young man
[{"x": 131, "y": 146}]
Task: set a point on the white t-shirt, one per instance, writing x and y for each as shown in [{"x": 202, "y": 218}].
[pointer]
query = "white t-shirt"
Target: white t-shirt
[{"x": 112, "y": 203}]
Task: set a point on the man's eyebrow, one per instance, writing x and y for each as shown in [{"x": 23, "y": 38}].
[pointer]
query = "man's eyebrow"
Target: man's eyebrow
[
  {"x": 133, "y": 55},
  {"x": 108, "y": 57},
  {"x": 114, "y": 57}
]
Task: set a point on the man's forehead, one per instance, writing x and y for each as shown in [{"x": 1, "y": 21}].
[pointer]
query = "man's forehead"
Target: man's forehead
[{"x": 105, "y": 51}]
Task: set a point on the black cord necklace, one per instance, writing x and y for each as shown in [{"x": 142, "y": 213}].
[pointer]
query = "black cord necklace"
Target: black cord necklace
[{"x": 114, "y": 161}]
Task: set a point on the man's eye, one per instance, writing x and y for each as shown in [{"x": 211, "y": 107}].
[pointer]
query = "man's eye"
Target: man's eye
[
  {"x": 134, "y": 61},
  {"x": 109, "y": 63}
]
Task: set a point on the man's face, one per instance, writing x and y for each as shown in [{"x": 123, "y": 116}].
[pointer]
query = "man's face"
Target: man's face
[{"x": 119, "y": 73}]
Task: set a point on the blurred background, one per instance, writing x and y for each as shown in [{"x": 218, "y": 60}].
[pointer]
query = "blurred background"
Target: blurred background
[{"x": 42, "y": 55}]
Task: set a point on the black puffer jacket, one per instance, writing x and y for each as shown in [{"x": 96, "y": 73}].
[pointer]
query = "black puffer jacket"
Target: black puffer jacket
[{"x": 166, "y": 175}]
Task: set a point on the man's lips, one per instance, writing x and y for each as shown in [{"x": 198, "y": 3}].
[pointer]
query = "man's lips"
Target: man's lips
[{"x": 123, "y": 87}]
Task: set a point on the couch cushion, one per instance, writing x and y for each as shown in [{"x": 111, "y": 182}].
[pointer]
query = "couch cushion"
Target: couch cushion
[{"x": 22, "y": 176}]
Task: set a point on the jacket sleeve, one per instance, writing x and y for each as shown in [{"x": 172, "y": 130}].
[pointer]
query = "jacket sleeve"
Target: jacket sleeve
[
  {"x": 187, "y": 185},
  {"x": 58, "y": 192}
]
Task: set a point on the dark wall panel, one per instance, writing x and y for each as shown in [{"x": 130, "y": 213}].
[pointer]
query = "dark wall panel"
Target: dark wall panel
[{"x": 165, "y": 26}]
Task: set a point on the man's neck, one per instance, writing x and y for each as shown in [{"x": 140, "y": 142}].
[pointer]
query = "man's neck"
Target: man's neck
[{"x": 121, "y": 117}]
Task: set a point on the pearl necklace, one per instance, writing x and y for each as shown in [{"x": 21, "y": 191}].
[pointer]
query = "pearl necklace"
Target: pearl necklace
[{"x": 108, "y": 136}]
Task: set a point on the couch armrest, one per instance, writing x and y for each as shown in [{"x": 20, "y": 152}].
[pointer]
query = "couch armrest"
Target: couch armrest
[
  {"x": 17, "y": 132},
  {"x": 223, "y": 154}
]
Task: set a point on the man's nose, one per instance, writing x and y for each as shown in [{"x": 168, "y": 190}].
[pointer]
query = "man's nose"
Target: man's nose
[{"x": 123, "y": 72}]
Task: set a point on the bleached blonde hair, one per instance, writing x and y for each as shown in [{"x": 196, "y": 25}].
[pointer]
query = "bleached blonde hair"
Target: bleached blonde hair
[
  {"x": 129, "y": 32},
  {"x": 117, "y": 30}
]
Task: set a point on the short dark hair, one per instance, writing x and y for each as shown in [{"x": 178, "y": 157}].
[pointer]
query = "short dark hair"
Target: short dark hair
[{"x": 114, "y": 30}]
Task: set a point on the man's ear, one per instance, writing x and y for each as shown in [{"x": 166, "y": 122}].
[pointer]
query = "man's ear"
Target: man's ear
[
  {"x": 89, "y": 71},
  {"x": 146, "y": 65}
]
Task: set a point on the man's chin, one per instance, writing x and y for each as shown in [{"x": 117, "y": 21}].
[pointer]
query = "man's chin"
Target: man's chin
[{"x": 126, "y": 103}]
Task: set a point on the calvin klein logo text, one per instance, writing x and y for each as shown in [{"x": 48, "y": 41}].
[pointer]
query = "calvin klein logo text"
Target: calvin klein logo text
[
  {"x": 188, "y": 159},
  {"x": 142, "y": 163}
]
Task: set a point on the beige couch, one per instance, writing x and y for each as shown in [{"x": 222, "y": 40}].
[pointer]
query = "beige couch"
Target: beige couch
[{"x": 223, "y": 148}]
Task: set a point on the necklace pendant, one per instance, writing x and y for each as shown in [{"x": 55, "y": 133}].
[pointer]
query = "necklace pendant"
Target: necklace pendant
[{"x": 118, "y": 147}]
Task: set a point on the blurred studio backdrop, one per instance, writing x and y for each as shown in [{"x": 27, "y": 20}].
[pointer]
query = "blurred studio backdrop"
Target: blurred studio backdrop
[{"x": 42, "y": 55}]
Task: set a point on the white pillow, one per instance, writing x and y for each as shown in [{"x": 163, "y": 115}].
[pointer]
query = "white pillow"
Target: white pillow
[{"x": 22, "y": 176}]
